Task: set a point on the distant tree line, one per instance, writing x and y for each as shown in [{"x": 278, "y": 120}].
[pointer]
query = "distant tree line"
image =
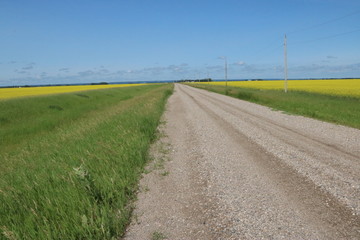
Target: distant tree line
[
  {"x": 100, "y": 83},
  {"x": 195, "y": 80}
]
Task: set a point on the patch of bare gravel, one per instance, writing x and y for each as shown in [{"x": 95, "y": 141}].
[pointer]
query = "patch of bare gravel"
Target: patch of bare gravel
[
  {"x": 237, "y": 170},
  {"x": 172, "y": 205}
]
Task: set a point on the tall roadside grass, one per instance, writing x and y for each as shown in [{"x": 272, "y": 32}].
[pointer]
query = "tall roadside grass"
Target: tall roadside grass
[
  {"x": 336, "y": 109},
  {"x": 70, "y": 163}
]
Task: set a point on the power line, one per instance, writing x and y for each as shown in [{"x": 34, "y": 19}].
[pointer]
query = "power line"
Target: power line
[
  {"x": 268, "y": 48},
  {"x": 325, "y": 23},
  {"x": 327, "y": 37},
  {"x": 274, "y": 46}
]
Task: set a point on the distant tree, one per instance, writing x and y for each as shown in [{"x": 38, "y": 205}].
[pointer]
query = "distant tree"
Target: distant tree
[
  {"x": 100, "y": 83},
  {"x": 195, "y": 80}
]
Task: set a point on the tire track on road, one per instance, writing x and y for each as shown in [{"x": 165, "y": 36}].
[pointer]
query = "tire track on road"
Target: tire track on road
[
  {"x": 289, "y": 131},
  {"x": 319, "y": 162},
  {"x": 241, "y": 171},
  {"x": 318, "y": 206}
]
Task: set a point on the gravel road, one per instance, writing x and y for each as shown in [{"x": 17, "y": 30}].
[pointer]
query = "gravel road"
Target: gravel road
[{"x": 231, "y": 169}]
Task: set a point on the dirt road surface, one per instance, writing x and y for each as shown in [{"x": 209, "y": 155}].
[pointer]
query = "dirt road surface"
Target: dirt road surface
[{"x": 237, "y": 170}]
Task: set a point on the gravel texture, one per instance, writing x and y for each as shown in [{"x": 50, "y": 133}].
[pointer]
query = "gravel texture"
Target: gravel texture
[{"x": 230, "y": 169}]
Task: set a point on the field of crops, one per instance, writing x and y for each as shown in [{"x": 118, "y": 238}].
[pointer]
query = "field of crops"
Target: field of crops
[
  {"x": 70, "y": 162},
  {"x": 339, "y": 101},
  {"x": 6, "y": 93},
  {"x": 340, "y": 87}
]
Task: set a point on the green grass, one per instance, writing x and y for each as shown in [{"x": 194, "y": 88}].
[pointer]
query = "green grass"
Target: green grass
[
  {"x": 70, "y": 163},
  {"x": 158, "y": 236},
  {"x": 335, "y": 109}
]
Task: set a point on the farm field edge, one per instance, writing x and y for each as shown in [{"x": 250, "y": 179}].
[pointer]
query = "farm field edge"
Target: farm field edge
[{"x": 76, "y": 178}]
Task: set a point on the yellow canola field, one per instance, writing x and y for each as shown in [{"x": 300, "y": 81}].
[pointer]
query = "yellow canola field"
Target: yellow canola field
[
  {"x": 342, "y": 87},
  {"x": 6, "y": 93}
]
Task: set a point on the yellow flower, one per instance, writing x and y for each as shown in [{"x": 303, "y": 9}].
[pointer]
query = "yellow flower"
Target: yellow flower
[
  {"x": 341, "y": 87},
  {"x": 6, "y": 93}
]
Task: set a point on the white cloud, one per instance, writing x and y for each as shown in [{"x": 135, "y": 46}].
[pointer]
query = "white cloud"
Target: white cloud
[
  {"x": 240, "y": 63},
  {"x": 20, "y": 71},
  {"x": 43, "y": 74},
  {"x": 327, "y": 70},
  {"x": 27, "y": 68},
  {"x": 331, "y": 57},
  {"x": 237, "y": 70},
  {"x": 86, "y": 73}
]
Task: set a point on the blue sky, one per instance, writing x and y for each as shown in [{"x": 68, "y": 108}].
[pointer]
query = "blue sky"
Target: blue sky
[{"x": 79, "y": 41}]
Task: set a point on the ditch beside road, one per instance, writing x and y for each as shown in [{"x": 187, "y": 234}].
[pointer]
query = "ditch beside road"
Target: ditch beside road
[{"x": 237, "y": 170}]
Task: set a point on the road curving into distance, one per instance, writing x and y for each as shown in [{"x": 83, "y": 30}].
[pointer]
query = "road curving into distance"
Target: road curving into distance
[{"x": 238, "y": 170}]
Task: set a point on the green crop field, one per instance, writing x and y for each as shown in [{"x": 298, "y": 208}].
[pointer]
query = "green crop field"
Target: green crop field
[
  {"x": 338, "y": 109},
  {"x": 70, "y": 163}
]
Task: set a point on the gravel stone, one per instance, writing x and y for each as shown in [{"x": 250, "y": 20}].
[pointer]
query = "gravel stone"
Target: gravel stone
[{"x": 237, "y": 170}]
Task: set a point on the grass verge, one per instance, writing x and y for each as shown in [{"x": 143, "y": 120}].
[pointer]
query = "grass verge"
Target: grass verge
[
  {"x": 334, "y": 109},
  {"x": 70, "y": 163}
]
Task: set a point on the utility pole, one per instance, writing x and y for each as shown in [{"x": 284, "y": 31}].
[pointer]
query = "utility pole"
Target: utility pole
[
  {"x": 285, "y": 65},
  {"x": 226, "y": 68}
]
